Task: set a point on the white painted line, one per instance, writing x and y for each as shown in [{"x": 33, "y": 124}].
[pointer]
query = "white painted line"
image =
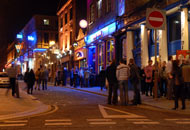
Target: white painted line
[
  {"x": 156, "y": 19},
  {"x": 125, "y": 114},
  {"x": 53, "y": 124},
  {"x": 184, "y": 119},
  {"x": 99, "y": 119},
  {"x": 57, "y": 120},
  {"x": 146, "y": 123},
  {"x": 138, "y": 119},
  {"x": 5, "y": 125},
  {"x": 183, "y": 122},
  {"x": 19, "y": 121},
  {"x": 102, "y": 123}
]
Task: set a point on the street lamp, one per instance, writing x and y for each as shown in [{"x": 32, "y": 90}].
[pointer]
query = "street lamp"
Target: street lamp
[{"x": 83, "y": 23}]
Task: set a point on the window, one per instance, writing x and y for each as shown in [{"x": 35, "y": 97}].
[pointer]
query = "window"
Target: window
[
  {"x": 66, "y": 18},
  {"x": 175, "y": 28},
  {"x": 71, "y": 14},
  {"x": 66, "y": 42},
  {"x": 56, "y": 38},
  {"x": 99, "y": 5},
  {"x": 108, "y": 6},
  {"x": 61, "y": 22},
  {"x": 46, "y": 37},
  {"x": 91, "y": 13},
  {"x": 109, "y": 52},
  {"x": 100, "y": 56},
  {"x": 71, "y": 41},
  {"x": 46, "y": 21}
]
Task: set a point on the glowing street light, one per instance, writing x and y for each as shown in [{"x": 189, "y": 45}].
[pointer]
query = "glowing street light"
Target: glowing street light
[{"x": 83, "y": 23}]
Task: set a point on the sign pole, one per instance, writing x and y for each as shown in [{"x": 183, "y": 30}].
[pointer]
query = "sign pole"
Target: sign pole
[{"x": 156, "y": 68}]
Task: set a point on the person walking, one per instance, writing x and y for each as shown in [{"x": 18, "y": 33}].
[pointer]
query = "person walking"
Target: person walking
[
  {"x": 81, "y": 76},
  {"x": 112, "y": 80},
  {"x": 169, "y": 78},
  {"x": 26, "y": 77},
  {"x": 37, "y": 77},
  {"x": 71, "y": 77},
  {"x": 135, "y": 79},
  {"x": 122, "y": 74},
  {"x": 149, "y": 77},
  {"x": 76, "y": 72},
  {"x": 12, "y": 73},
  {"x": 177, "y": 79},
  {"x": 45, "y": 75},
  {"x": 143, "y": 78},
  {"x": 186, "y": 78},
  {"x": 163, "y": 80},
  {"x": 30, "y": 81},
  {"x": 102, "y": 78},
  {"x": 86, "y": 77}
]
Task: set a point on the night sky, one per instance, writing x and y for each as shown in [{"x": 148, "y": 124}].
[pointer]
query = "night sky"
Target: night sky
[{"x": 14, "y": 14}]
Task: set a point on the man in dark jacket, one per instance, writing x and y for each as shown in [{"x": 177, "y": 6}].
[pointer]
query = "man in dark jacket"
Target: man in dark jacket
[
  {"x": 112, "y": 80},
  {"x": 135, "y": 79},
  {"x": 102, "y": 78}
]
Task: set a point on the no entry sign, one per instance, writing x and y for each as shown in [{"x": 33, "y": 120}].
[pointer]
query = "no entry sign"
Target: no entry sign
[{"x": 155, "y": 19}]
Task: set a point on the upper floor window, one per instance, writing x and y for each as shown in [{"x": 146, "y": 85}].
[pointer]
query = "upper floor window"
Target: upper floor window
[
  {"x": 108, "y": 6},
  {"x": 99, "y": 5},
  {"x": 66, "y": 18},
  {"x": 91, "y": 13},
  {"x": 61, "y": 22},
  {"x": 71, "y": 14},
  {"x": 46, "y": 37},
  {"x": 46, "y": 21}
]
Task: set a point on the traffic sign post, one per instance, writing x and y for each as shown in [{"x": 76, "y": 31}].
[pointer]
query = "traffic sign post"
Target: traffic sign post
[{"x": 155, "y": 19}]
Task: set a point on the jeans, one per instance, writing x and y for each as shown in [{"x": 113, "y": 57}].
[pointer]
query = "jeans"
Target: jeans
[
  {"x": 123, "y": 86},
  {"x": 44, "y": 84},
  {"x": 112, "y": 89}
]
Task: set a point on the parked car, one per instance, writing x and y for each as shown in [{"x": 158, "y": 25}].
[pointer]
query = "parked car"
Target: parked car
[{"x": 4, "y": 80}]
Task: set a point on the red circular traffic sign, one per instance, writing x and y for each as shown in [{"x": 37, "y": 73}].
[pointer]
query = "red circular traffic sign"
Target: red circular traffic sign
[{"x": 156, "y": 19}]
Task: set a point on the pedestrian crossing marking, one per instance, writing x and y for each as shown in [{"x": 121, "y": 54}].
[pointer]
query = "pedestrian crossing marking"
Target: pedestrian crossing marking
[
  {"x": 54, "y": 124},
  {"x": 57, "y": 120},
  {"x": 127, "y": 114},
  {"x": 102, "y": 123},
  {"x": 146, "y": 123},
  {"x": 183, "y": 122},
  {"x": 19, "y": 121},
  {"x": 138, "y": 119},
  {"x": 99, "y": 119},
  {"x": 6, "y": 125}
]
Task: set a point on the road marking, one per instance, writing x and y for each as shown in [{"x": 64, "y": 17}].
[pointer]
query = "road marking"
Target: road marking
[
  {"x": 102, "y": 123},
  {"x": 127, "y": 114},
  {"x": 3, "y": 125},
  {"x": 19, "y": 121},
  {"x": 185, "y": 119},
  {"x": 138, "y": 119},
  {"x": 99, "y": 119},
  {"x": 53, "y": 124},
  {"x": 57, "y": 120},
  {"x": 146, "y": 123},
  {"x": 183, "y": 122}
]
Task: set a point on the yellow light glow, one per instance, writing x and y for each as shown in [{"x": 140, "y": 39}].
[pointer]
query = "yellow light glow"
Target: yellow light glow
[{"x": 51, "y": 43}]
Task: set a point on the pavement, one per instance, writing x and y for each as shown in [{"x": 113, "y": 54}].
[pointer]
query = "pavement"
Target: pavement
[
  {"x": 13, "y": 107},
  {"x": 28, "y": 105}
]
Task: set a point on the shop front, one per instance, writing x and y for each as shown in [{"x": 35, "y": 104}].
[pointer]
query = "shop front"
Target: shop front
[{"x": 101, "y": 48}]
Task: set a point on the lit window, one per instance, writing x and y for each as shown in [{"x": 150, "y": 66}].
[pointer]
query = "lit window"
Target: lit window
[
  {"x": 46, "y": 21},
  {"x": 99, "y": 4},
  {"x": 91, "y": 13}
]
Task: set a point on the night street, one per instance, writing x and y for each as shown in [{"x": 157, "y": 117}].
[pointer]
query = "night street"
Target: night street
[{"x": 83, "y": 111}]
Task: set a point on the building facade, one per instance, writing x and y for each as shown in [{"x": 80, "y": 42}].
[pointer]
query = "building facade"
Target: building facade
[
  {"x": 37, "y": 36},
  {"x": 69, "y": 16},
  {"x": 101, "y": 44},
  {"x": 139, "y": 40}
]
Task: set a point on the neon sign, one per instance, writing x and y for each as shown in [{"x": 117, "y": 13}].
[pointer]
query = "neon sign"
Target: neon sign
[
  {"x": 101, "y": 33},
  {"x": 30, "y": 38},
  {"x": 18, "y": 47},
  {"x": 19, "y": 36}
]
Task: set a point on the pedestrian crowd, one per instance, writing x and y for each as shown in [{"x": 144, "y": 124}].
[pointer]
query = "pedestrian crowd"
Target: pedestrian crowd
[{"x": 173, "y": 81}]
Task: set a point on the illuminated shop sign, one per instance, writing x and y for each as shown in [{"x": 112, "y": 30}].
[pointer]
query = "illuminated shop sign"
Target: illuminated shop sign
[
  {"x": 121, "y": 7},
  {"x": 79, "y": 54},
  {"x": 19, "y": 36},
  {"x": 40, "y": 49},
  {"x": 101, "y": 33},
  {"x": 30, "y": 38}
]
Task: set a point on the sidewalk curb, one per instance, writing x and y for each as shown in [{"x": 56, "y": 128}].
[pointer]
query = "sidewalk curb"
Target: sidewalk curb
[{"x": 40, "y": 108}]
